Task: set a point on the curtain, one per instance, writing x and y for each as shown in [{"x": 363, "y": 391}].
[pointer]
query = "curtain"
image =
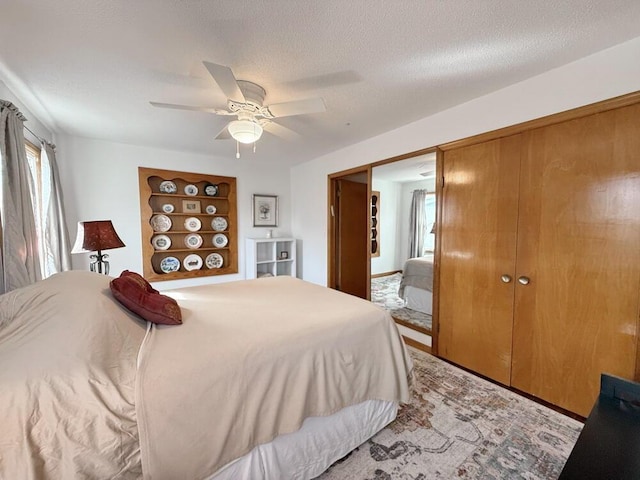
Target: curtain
[
  {"x": 55, "y": 247},
  {"x": 417, "y": 223},
  {"x": 19, "y": 262}
]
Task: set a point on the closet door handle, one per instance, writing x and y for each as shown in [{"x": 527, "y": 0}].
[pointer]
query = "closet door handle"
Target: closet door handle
[
  {"x": 524, "y": 280},
  {"x": 506, "y": 278}
]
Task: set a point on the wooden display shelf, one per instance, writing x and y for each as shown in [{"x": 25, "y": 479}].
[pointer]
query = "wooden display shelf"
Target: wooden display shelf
[
  {"x": 375, "y": 227},
  {"x": 151, "y": 201}
]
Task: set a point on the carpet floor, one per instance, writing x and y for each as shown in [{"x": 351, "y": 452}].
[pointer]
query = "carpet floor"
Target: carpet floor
[
  {"x": 384, "y": 292},
  {"x": 460, "y": 426}
]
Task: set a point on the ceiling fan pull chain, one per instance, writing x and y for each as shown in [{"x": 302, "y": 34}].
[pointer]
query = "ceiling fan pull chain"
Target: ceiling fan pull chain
[
  {"x": 254, "y": 147},
  {"x": 237, "y": 149}
]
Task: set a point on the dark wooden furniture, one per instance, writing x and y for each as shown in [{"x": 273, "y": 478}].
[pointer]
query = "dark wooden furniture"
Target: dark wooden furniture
[{"x": 609, "y": 445}]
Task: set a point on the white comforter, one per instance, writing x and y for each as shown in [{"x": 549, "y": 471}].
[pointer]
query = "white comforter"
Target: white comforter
[
  {"x": 252, "y": 360},
  {"x": 67, "y": 381}
]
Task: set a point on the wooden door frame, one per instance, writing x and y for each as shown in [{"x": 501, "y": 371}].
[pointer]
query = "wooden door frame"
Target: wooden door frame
[
  {"x": 332, "y": 182},
  {"x": 435, "y": 307},
  {"x": 435, "y": 325}
]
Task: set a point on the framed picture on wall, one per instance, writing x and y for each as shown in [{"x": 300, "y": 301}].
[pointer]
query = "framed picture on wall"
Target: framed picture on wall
[
  {"x": 265, "y": 210},
  {"x": 190, "y": 206}
]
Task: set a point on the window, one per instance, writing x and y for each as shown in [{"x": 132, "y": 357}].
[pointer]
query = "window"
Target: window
[
  {"x": 35, "y": 167},
  {"x": 430, "y": 211},
  {"x": 40, "y": 196}
]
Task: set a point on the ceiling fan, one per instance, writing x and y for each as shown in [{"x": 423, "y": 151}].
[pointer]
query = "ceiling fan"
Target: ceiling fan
[{"x": 245, "y": 100}]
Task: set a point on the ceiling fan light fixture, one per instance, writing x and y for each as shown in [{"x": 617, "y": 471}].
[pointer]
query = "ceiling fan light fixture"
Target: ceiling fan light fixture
[{"x": 245, "y": 131}]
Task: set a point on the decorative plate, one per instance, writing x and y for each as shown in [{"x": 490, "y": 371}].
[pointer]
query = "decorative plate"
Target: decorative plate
[
  {"x": 190, "y": 190},
  {"x": 211, "y": 209},
  {"x": 214, "y": 260},
  {"x": 219, "y": 224},
  {"x": 170, "y": 264},
  {"x": 192, "y": 262},
  {"x": 168, "y": 208},
  {"x": 168, "y": 187},
  {"x": 211, "y": 190},
  {"x": 193, "y": 224},
  {"x": 161, "y": 242},
  {"x": 160, "y": 223},
  {"x": 220, "y": 240},
  {"x": 193, "y": 240}
]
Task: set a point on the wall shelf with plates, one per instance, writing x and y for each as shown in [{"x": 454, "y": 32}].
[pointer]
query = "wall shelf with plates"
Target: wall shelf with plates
[
  {"x": 189, "y": 224},
  {"x": 375, "y": 228}
]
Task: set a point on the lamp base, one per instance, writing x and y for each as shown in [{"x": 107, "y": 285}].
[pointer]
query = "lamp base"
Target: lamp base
[{"x": 99, "y": 264}]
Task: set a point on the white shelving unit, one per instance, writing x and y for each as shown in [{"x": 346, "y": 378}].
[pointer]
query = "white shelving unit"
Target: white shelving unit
[{"x": 267, "y": 257}]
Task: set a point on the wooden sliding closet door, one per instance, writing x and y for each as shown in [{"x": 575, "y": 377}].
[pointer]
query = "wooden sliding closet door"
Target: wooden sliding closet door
[
  {"x": 579, "y": 247},
  {"x": 478, "y": 251}
]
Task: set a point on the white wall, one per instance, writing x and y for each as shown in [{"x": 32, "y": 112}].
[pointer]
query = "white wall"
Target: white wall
[
  {"x": 606, "y": 74},
  {"x": 100, "y": 182},
  {"x": 388, "y": 228}
]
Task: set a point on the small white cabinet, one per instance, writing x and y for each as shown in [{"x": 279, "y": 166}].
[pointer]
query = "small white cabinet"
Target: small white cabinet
[{"x": 266, "y": 257}]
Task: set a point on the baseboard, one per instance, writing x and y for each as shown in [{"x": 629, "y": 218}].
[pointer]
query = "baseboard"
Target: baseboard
[
  {"x": 411, "y": 342},
  {"x": 412, "y": 326},
  {"x": 378, "y": 275}
]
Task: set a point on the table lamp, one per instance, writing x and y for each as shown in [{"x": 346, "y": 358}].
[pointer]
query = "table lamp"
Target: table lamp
[{"x": 95, "y": 236}]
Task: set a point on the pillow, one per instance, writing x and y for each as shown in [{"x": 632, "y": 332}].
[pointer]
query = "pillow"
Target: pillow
[
  {"x": 140, "y": 279},
  {"x": 150, "y": 305}
]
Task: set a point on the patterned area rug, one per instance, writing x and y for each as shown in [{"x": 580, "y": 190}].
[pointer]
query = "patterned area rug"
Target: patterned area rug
[
  {"x": 384, "y": 292},
  {"x": 461, "y": 426}
]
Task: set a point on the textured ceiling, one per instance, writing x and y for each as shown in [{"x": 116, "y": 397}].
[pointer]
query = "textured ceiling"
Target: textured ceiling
[
  {"x": 89, "y": 68},
  {"x": 412, "y": 169}
]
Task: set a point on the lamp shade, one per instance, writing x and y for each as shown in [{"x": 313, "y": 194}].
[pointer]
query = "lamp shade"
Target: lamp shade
[
  {"x": 95, "y": 236},
  {"x": 245, "y": 131}
]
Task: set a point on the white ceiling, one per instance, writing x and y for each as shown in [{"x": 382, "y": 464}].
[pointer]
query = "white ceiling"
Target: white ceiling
[
  {"x": 89, "y": 68},
  {"x": 413, "y": 169}
]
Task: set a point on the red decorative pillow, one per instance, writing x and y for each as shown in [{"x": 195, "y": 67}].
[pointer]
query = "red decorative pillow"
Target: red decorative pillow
[
  {"x": 150, "y": 305},
  {"x": 140, "y": 279}
]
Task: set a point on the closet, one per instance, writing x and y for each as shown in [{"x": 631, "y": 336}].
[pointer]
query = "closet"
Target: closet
[{"x": 540, "y": 256}]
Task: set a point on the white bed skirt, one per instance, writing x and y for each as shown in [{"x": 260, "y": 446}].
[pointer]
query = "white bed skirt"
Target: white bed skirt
[
  {"x": 418, "y": 299},
  {"x": 307, "y": 453}
]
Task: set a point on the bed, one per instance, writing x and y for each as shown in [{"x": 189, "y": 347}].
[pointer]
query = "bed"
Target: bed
[
  {"x": 416, "y": 286},
  {"x": 253, "y": 385}
]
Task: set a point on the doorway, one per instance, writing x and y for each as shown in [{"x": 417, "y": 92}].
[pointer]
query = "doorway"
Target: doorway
[{"x": 348, "y": 222}]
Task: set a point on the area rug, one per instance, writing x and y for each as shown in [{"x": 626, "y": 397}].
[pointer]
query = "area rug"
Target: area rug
[
  {"x": 384, "y": 292},
  {"x": 460, "y": 426}
]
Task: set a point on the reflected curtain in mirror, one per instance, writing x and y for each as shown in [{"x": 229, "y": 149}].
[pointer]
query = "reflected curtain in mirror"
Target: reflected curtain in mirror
[{"x": 417, "y": 223}]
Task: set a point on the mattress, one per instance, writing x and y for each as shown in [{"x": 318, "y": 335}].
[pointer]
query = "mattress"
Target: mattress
[
  {"x": 307, "y": 453},
  {"x": 417, "y": 272},
  {"x": 418, "y": 299}
]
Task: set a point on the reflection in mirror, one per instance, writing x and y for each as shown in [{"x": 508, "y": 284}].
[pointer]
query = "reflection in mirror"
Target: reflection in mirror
[
  {"x": 375, "y": 218},
  {"x": 402, "y": 270}
]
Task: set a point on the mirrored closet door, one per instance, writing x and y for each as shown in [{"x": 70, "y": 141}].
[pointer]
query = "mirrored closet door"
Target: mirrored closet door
[{"x": 403, "y": 226}]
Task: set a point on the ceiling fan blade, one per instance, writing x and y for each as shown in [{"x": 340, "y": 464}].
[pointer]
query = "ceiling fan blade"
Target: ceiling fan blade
[
  {"x": 188, "y": 107},
  {"x": 297, "y": 107},
  {"x": 226, "y": 80},
  {"x": 223, "y": 134},
  {"x": 281, "y": 131}
]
